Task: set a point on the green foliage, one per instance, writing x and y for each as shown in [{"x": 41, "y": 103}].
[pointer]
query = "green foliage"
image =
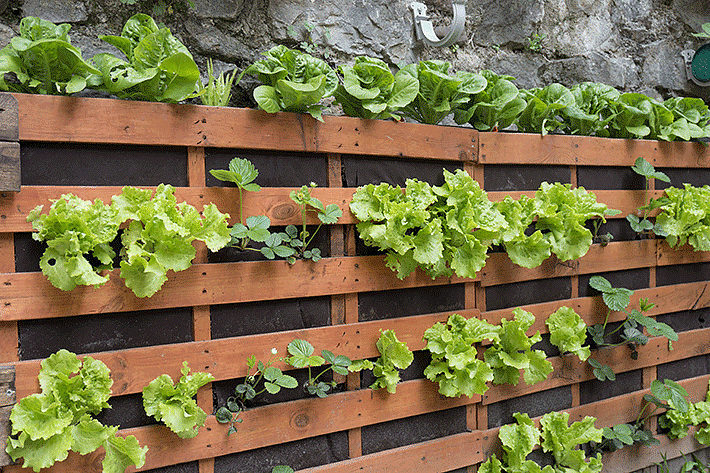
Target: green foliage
[
  {"x": 617, "y": 299},
  {"x": 519, "y": 440},
  {"x": 42, "y": 60},
  {"x": 158, "y": 238},
  {"x": 706, "y": 31},
  {"x": 440, "y": 92},
  {"x": 454, "y": 363},
  {"x": 443, "y": 230},
  {"x": 78, "y": 236},
  {"x": 544, "y": 105},
  {"x": 174, "y": 404},
  {"x": 559, "y": 213},
  {"x": 282, "y": 469},
  {"x": 562, "y": 440},
  {"x": 273, "y": 381},
  {"x": 494, "y": 108},
  {"x": 302, "y": 356},
  {"x": 685, "y": 217},
  {"x": 568, "y": 332},
  {"x": 158, "y": 67},
  {"x": 289, "y": 244},
  {"x": 370, "y": 90},
  {"x": 293, "y": 81},
  {"x": 511, "y": 352},
  {"x": 160, "y": 234},
  {"x": 218, "y": 90},
  {"x": 676, "y": 419},
  {"x": 591, "y": 111},
  {"x": 394, "y": 356},
  {"x": 45, "y": 426},
  {"x": 535, "y": 42}
]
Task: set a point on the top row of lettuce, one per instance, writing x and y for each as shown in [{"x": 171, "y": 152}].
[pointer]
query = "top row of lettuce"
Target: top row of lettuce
[{"x": 158, "y": 67}]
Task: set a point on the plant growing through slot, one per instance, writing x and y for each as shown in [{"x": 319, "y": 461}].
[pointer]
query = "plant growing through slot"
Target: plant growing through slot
[
  {"x": 302, "y": 356},
  {"x": 618, "y": 299},
  {"x": 394, "y": 356},
  {"x": 273, "y": 381}
]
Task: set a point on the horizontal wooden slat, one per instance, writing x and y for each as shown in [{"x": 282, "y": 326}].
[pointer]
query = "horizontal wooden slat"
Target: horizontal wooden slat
[
  {"x": 83, "y": 120},
  {"x": 207, "y": 284},
  {"x": 434, "y": 456},
  {"x": 524, "y": 148},
  {"x": 277, "y": 423},
  {"x": 685, "y": 254},
  {"x": 273, "y": 202},
  {"x": 225, "y": 358},
  {"x": 615, "y": 256}
]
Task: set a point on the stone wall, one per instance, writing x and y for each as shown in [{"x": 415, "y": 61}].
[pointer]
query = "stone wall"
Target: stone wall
[{"x": 633, "y": 45}]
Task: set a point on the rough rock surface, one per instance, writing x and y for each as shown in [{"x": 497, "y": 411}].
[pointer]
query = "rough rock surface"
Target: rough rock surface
[{"x": 634, "y": 45}]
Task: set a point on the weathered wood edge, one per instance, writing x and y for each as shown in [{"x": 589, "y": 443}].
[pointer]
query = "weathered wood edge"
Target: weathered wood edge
[{"x": 7, "y": 400}]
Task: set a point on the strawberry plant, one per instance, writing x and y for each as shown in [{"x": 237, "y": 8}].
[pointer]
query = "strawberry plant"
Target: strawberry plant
[
  {"x": 617, "y": 299},
  {"x": 680, "y": 414},
  {"x": 302, "y": 356}
]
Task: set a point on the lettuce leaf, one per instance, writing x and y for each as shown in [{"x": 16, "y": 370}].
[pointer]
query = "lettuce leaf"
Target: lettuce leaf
[
  {"x": 454, "y": 363},
  {"x": 293, "y": 81},
  {"x": 685, "y": 217},
  {"x": 495, "y": 107},
  {"x": 158, "y": 67},
  {"x": 174, "y": 404},
  {"x": 43, "y": 61},
  {"x": 370, "y": 90},
  {"x": 562, "y": 440},
  {"x": 511, "y": 352},
  {"x": 46, "y": 425},
  {"x": 544, "y": 108},
  {"x": 568, "y": 332}
]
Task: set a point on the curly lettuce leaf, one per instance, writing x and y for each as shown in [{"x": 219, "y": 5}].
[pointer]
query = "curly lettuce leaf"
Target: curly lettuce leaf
[
  {"x": 174, "y": 404},
  {"x": 75, "y": 230},
  {"x": 394, "y": 356},
  {"x": 568, "y": 332},
  {"x": 562, "y": 440},
  {"x": 519, "y": 440},
  {"x": 685, "y": 217},
  {"x": 121, "y": 453}
]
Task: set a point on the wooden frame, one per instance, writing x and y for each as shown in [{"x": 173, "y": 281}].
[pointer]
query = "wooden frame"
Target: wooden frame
[{"x": 29, "y": 296}]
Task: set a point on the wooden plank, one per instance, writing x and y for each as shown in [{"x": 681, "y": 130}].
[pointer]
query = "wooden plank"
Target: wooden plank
[
  {"x": 10, "y": 176},
  {"x": 614, "y": 256},
  {"x": 524, "y": 148},
  {"x": 685, "y": 254},
  {"x": 83, "y": 120},
  {"x": 31, "y": 296},
  {"x": 8, "y": 330},
  {"x": 275, "y": 424},
  {"x": 569, "y": 370},
  {"x": 7, "y": 400},
  {"x": 9, "y": 118},
  {"x": 434, "y": 456},
  {"x": 273, "y": 202},
  {"x": 134, "y": 368}
]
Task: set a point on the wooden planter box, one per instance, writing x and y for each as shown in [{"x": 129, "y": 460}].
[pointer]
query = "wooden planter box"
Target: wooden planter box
[{"x": 346, "y": 280}]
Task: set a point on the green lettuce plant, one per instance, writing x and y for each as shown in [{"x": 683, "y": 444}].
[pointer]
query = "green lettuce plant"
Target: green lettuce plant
[
  {"x": 556, "y": 436},
  {"x": 293, "y": 82},
  {"x": 394, "y": 356},
  {"x": 42, "y": 60},
  {"x": 173, "y": 404},
  {"x": 512, "y": 351},
  {"x": 495, "y": 107},
  {"x": 680, "y": 414},
  {"x": 559, "y": 214},
  {"x": 158, "y": 67},
  {"x": 454, "y": 357},
  {"x": 544, "y": 108},
  {"x": 218, "y": 90},
  {"x": 443, "y": 230},
  {"x": 591, "y": 111},
  {"x": 46, "y": 425},
  {"x": 159, "y": 238},
  {"x": 440, "y": 92},
  {"x": 370, "y": 90},
  {"x": 568, "y": 332}
]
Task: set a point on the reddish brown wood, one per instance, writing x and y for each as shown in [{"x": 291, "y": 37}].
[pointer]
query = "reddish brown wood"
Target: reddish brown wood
[
  {"x": 275, "y": 424},
  {"x": 206, "y": 284},
  {"x": 523, "y": 148},
  {"x": 225, "y": 358},
  {"x": 82, "y": 120}
]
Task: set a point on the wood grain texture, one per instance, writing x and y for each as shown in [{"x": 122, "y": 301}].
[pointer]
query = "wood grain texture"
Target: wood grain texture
[
  {"x": 10, "y": 175},
  {"x": 524, "y": 148},
  {"x": 82, "y": 120},
  {"x": 31, "y": 296},
  {"x": 276, "y": 424},
  {"x": 225, "y": 358},
  {"x": 9, "y": 118}
]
